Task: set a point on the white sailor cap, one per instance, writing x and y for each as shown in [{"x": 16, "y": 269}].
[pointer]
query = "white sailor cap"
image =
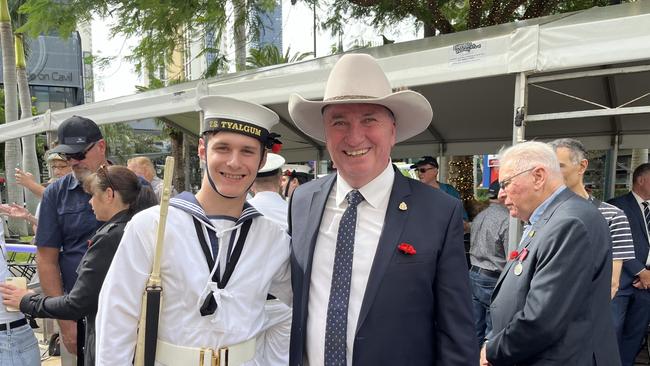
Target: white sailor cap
[
  {"x": 272, "y": 167},
  {"x": 299, "y": 171},
  {"x": 229, "y": 114},
  {"x": 296, "y": 168}
]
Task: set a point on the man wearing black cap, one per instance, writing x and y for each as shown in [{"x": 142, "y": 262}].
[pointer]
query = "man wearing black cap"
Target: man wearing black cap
[
  {"x": 66, "y": 220},
  {"x": 216, "y": 264},
  {"x": 489, "y": 235},
  {"x": 427, "y": 169}
]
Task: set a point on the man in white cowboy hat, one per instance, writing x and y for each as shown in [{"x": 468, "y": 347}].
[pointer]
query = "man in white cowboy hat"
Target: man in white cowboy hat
[
  {"x": 216, "y": 269},
  {"x": 294, "y": 175},
  {"x": 378, "y": 265}
]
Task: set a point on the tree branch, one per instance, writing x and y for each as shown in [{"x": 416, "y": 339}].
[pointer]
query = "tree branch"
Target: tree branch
[
  {"x": 474, "y": 16},
  {"x": 439, "y": 21},
  {"x": 509, "y": 10},
  {"x": 365, "y": 3},
  {"x": 534, "y": 9},
  {"x": 494, "y": 15}
]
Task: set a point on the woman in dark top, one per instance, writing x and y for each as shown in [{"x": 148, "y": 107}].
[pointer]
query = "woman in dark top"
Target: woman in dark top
[{"x": 117, "y": 194}]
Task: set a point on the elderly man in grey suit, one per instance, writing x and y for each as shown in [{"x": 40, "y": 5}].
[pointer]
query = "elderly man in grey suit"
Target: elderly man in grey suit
[
  {"x": 377, "y": 264},
  {"x": 551, "y": 304}
]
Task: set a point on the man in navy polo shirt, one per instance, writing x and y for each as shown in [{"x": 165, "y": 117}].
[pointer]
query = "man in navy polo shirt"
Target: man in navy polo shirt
[{"x": 66, "y": 220}]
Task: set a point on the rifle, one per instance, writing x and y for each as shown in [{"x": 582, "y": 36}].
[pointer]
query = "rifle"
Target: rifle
[{"x": 145, "y": 351}]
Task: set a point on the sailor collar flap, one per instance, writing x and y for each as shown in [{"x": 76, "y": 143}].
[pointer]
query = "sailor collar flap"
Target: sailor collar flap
[
  {"x": 187, "y": 202},
  {"x": 216, "y": 286}
]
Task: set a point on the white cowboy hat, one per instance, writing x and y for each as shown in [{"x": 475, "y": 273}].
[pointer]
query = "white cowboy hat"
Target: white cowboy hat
[{"x": 358, "y": 78}]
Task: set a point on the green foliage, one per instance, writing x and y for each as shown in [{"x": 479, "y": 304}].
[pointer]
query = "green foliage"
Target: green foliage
[
  {"x": 162, "y": 25},
  {"x": 445, "y": 16},
  {"x": 269, "y": 55},
  {"x": 119, "y": 140}
]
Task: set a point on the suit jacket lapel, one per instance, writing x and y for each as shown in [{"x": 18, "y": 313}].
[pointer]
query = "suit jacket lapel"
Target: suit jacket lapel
[
  {"x": 315, "y": 214},
  {"x": 546, "y": 215},
  {"x": 638, "y": 214},
  {"x": 394, "y": 222}
]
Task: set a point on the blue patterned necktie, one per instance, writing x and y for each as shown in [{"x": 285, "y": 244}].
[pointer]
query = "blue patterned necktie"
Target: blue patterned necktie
[{"x": 337, "y": 308}]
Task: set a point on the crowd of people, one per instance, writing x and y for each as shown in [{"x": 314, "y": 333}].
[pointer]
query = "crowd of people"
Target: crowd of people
[{"x": 364, "y": 266}]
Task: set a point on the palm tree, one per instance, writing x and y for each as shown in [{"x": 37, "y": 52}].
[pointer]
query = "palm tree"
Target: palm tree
[
  {"x": 269, "y": 54},
  {"x": 12, "y": 148},
  {"x": 30, "y": 160}
]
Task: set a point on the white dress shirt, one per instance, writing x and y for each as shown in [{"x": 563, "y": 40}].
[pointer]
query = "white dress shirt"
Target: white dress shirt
[
  {"x": 370, "y": 217},
  {"x": 640, "y": 202},
  {"x": 271, "y": 205}
]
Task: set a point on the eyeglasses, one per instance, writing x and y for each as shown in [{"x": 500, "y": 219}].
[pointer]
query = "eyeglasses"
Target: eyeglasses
[
  {"x": 423, "y": 170},
  {"x": 104, "y": 170},
  {"x": 504, "y": 183},
  {"x": 80, "y": 155},
  {"x": 59, "y": 166}
]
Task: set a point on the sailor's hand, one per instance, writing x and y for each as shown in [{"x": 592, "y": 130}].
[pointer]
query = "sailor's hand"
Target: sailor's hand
[{"x": 69, "y": 335}]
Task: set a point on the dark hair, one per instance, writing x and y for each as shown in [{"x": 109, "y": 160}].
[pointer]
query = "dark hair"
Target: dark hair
[
  {"x": 639, "y": 171},
  {"x": 121, "y": 179},
  {"x": 577, "y": 149}
]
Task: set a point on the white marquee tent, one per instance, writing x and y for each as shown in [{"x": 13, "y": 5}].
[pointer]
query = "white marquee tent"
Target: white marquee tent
[{"x": 583, "y": 74}]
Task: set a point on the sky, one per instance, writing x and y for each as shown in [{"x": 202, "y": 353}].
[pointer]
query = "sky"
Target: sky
[{"x": 118, "y": 78}]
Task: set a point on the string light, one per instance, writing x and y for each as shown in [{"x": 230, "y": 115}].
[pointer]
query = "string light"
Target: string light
[{"x": 461, "y": 176}]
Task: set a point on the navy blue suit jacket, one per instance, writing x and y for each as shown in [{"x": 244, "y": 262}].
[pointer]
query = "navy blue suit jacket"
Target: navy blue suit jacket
[
  {"x": 556, "y": 310},
  {"x": 628, "y": 204},
  {"x": 417, "y": 308}
]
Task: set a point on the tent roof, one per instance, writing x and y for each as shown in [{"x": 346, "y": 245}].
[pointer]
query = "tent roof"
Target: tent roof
[{"x": 472, "y": 92}]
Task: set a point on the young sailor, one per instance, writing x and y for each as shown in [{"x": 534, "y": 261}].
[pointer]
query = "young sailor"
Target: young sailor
[{"x": 220, "y": 256}]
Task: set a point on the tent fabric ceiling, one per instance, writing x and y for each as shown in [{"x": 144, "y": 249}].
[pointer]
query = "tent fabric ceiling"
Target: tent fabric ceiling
[{"x": 472, "y": 93}]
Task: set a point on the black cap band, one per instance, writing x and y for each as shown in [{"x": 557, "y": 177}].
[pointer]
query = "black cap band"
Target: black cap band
[
  {"x": 268, "y": 139},
  {"x": 233, "y": 125},
  {"x": 269, "y": 173}
]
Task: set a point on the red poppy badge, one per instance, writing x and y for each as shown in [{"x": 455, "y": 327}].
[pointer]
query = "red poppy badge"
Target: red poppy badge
[{"x": 406, "y": 248}]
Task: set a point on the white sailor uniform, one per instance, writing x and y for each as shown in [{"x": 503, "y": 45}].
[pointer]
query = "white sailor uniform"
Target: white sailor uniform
[
  {"x": 187, "y": 281},
  {"x": 274, "y": 342}
]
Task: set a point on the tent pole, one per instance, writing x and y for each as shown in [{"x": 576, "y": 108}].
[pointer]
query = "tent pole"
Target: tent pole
[
  {"x": 610, "y": 192},
  {"x": 518, "y": 136}
]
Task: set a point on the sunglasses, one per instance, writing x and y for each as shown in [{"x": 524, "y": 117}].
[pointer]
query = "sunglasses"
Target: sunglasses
[
  {"x": 103, "y": 169},
  {"x": 80, "y": 155},
  {"x": 423, "y": 170}
]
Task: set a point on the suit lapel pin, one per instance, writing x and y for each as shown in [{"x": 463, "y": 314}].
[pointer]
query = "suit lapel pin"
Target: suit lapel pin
[
  {"x": 403, "y": 206},
  {"x": 531, "y": 233}
]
